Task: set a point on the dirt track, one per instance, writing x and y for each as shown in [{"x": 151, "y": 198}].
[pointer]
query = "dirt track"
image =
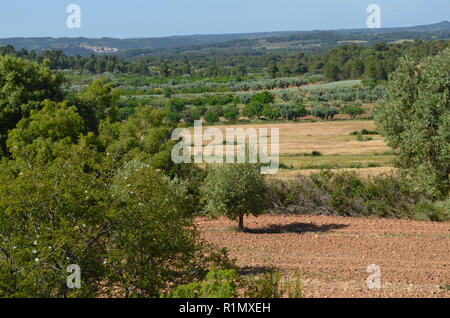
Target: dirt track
[{"x": 333, "y": 253}]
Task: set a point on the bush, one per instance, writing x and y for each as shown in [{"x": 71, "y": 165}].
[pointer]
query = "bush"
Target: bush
[
  {"x": 217, "y": 284},
  {"x": 211, "y": 116},
  {"x": 343, "y": 194},
  {"x": 231, "y": 113},
  {"x": 438, "y": 211},
  {"x": 229, "y": 284}
]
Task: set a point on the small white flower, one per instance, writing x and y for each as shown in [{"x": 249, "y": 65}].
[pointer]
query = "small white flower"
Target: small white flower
[
  {"x": 167, "y": 200},
  {"x": 84, "y": 225},
  {"x": 34, "y": 251},
  {"x": 36, "y": 259},
  {"x": 85, "y": 191},
  {"x": 35, "y": 243},
  {"x": 128, "y": 185}
]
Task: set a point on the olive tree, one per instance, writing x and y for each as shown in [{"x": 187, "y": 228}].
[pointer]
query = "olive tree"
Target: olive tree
[
  {"x": 234, "y": 190},
  {"x": 415, "y": 120}
]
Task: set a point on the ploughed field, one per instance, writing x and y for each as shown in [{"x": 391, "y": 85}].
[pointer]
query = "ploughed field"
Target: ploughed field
[{"x": 332, "y": 253}]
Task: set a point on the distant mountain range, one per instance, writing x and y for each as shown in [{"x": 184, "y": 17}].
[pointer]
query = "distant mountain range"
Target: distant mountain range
[{"x": 268, "y": 40}]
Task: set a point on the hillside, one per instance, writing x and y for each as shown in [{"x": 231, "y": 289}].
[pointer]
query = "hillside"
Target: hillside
[{"x": 304, "y": 40}]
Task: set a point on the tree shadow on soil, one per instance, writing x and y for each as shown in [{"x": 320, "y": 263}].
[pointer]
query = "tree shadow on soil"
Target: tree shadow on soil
[{"x": 296, "y": 227}]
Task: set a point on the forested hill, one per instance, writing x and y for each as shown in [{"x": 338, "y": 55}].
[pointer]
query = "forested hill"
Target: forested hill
[{"x": 306, "y": 40}]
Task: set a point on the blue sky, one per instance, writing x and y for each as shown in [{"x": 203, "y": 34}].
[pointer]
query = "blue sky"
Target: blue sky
[{"x": 153, "y": 18}]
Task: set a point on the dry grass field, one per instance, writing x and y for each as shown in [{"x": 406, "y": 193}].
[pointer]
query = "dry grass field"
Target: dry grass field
[{"x": 339, "y": 150}]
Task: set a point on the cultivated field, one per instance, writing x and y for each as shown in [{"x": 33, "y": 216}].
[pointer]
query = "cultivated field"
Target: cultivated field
[
  {"x": 333, "y": 253},
  {"x": 332, "y": 139}
]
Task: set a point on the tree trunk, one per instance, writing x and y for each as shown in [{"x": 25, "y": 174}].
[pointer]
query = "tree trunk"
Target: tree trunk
[{"x": 241, "y": 222}]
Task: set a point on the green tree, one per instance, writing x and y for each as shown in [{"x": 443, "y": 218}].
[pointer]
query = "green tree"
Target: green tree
[
  {"x": 46, "y": 133},
  {"x": 352, "y": 111},
  {"x": 331, "y": 71},
  {"x": 231, "y": 113},
  {"x": 98, "y": 102},
  {"x": 211, "y": 116},
  {"x": 257, "y": 103},
  {"x": 273, "y": 69},
  {"x": 234, "y": 190},
  {"x": 415, "y": 121},
  {"x": 23, "y": 86}
]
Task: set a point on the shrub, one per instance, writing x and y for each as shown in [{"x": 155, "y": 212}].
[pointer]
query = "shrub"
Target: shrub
[
  {"x": 211, "y": 116},
  {"x": 217, "y": 284},
  {"x": 433, "y": 211},
  {"x": 231, "y": 113},
  {"x": 270, "y": 285},
  {"x": 342, "y": 194}
]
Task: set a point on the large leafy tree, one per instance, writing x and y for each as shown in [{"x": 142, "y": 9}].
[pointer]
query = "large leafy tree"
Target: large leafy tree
[
  {"x": 23, "y": 86},
  {"x": 415, "y": 121},
  {"x": 45, "y": 134}
]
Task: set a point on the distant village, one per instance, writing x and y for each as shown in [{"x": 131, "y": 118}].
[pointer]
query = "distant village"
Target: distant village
[{"x": 100, "y": 49}]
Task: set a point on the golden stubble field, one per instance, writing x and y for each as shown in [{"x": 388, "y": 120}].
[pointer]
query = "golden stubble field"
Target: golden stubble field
[{"x": 332, "y": 139}]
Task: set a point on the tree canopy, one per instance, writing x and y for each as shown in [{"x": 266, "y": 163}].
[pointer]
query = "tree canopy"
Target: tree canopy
[{"x": 415, "y": 121}]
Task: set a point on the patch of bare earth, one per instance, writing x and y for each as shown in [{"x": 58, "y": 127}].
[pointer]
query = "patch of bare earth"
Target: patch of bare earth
[{"x": 333, "y": 253}]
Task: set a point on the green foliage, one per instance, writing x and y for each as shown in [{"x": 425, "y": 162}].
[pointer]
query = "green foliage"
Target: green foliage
[
  {"x": 257, "y": 104},
  {"x": 23, "y": 86},
  {"x": 291, "y": 111},
  {"x": 211, "y": 116},
  {"x": 231, "y": 113},
  {"x": 324, "y": 112},
  {"x": 98, "y": 102},
  {"x": 437, "y": 211},
  {"x": 415, "y": 121},
  {"x": 45, "y": 134},
  {"x": 128, "y": 228},
  {"x": 331, "y": 71},
  {"x": 343, "y": 194},
  {"x": 217, "y": 284},
  {"x": 228, "y": 284},
  {"x": 233, "y": 190},
  {"x": 352, "y": 111},
  {"x": 270, "y": 285}
]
